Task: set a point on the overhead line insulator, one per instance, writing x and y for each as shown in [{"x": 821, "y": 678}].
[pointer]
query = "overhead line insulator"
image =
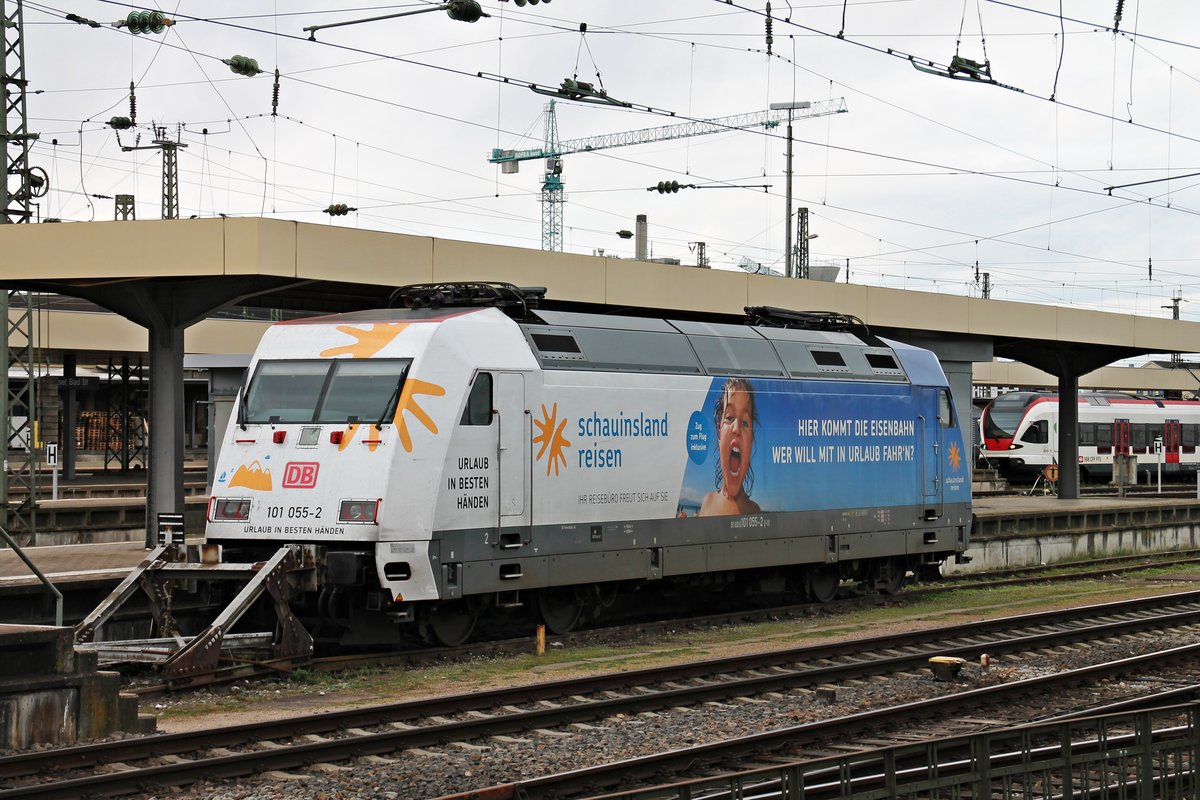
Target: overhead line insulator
[
  {"x": 242, "y": 65},
  {"x": 339, "y": 209},
  {"x": 145, "y": 22},
  {"x": 464, "y": 10},
  {"x": 91, "y": 23},
  {"x": 770, "y": 38}
]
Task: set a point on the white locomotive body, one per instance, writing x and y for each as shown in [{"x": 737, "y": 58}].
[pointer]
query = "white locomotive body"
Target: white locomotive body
[{"x": 450, "y": 463}]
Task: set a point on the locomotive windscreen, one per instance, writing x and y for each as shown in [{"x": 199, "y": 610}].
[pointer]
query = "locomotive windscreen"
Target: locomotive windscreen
[
  {"x": 1003, "y": 415},
  {"x": 359, "y": 390}
]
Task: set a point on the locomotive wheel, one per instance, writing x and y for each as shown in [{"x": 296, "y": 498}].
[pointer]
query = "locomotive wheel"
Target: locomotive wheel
[
  {"x": 893, "y": 576},
  {"x": 451, "y": 624},
  {"x": 823, "y": 583},
  {"x": 560, "y": 609}
]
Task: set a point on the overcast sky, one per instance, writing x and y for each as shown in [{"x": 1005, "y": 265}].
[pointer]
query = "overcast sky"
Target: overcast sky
[{"x": 924, "y": 178}]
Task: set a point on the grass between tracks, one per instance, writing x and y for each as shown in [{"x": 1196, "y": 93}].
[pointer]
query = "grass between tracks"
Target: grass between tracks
[{"x": 309, "y": 690}]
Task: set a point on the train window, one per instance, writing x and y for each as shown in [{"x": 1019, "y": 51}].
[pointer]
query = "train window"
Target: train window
[
  {"x": 946, "y": 410},
  {"x": 479, "y": 402},
  {"x": 1104, "y": 435},
  {"x": 1037, "y": 433},
  {"x": 728, "y": 356},
  {"x": 288, "y": 390},
  {"x": 363, "y": 390},
  {"x": 555, "y": 343},
  {"x": 350, "y": 390},
  {"x": 1138, "y": 435},
  {"x": 1087, "y": 435},
  {"x": 828, "y": 358},
  {"x": 882, "y": 361},
  {"x": 1188, "y": 435}
]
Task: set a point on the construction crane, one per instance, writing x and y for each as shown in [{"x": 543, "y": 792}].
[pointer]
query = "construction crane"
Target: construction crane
[{"x": 553, "y": 150}]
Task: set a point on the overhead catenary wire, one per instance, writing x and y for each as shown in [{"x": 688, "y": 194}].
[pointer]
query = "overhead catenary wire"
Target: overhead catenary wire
[{"x": 979, "y": 172}]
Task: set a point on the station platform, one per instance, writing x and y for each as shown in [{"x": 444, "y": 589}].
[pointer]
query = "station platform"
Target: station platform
[
  {"x": 1019, "y": 514},
  {"x": 105, "y": 561},
  {"x": 95, "y": 507}
]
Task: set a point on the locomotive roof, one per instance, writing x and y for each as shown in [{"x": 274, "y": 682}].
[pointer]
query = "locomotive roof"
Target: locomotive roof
[
  {"x": 566, "y": 340},
  {"x": 600, "y": 342}
]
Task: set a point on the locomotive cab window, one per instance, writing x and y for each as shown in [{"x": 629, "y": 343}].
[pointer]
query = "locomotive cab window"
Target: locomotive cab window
[
  {"x": 478, "y": 410},
  {"x": 946, "y": 410},
  {"x": 348, "y": 390},
  {"x": 366, "y": 389},
  {"x": 1038, "y": 433}
]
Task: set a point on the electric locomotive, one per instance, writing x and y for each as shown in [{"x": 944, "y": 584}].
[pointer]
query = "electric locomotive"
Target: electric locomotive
[{"x": 473, "y": 455}]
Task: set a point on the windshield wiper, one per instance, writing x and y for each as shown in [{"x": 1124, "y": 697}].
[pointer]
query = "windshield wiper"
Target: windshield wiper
[
  {"x": 242, "y": 409},
  {"x": 390, "y": 404}
]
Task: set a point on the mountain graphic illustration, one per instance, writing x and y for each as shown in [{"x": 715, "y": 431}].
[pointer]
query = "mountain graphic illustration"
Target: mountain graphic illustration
[{"x": 252, "y": 477}]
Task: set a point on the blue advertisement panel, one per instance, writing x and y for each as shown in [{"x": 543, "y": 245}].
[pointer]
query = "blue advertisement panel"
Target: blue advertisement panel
[{"x": 772, "y": 445}]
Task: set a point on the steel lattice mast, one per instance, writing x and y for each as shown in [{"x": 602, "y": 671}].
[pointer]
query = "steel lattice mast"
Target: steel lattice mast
[{"x": 17, "y": 191}]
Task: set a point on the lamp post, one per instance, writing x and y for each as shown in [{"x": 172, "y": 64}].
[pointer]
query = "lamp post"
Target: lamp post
[{"x": 787, "y": 228}]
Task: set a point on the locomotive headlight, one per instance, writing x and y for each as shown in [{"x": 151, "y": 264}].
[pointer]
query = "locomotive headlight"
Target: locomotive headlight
[{"x": 228, "y": 509}]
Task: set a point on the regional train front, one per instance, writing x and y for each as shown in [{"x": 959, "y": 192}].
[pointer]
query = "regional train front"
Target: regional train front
[{"x": 1006, "y": 443}]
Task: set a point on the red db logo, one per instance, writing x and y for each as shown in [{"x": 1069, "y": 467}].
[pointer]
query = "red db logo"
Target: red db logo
[{"x": 300, "y": 474}]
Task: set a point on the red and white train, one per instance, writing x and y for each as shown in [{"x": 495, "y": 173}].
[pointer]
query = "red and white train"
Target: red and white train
[{"x": 1020, "y": 433}]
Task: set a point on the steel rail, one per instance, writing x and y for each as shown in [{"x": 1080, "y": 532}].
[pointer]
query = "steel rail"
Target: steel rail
[
  {"x": 82, "y": 757},
  {"x": 606, "y": 779}
]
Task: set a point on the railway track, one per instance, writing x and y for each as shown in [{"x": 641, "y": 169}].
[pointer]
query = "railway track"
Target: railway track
[
  {"x": 669, "y": 774},
  {"x": 1072, "y": 571},
  {"x": 131, "y": 765}
]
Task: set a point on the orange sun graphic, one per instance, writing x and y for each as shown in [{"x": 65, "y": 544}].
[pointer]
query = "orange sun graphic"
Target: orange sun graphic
[
  {"x": 407, "y": 402},
  {"x": 955, "y": 455},
  {"x": 551, "y": 437},
  {"x": 368, "y": 342}
]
